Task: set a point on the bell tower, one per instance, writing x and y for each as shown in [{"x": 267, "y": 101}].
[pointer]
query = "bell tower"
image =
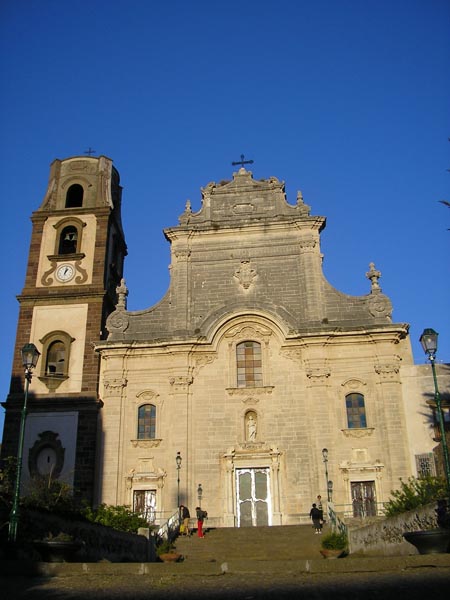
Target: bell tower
[{"x": 75, "y": 263}]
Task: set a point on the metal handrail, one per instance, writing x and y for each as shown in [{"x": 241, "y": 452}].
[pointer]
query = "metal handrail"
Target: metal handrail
[
  {"x": 336, "y": 522},
  {"x": 169, "y": 529},
  {"x": 348, "y": 510}
]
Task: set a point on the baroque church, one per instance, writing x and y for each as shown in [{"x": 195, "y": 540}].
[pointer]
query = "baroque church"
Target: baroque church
[{"x": 252, "y": 386}]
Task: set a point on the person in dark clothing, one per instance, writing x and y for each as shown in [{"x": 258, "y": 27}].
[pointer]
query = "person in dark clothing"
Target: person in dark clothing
[
  {"x": 316, "y": 517},
  {"x": 185, "y": 517}
]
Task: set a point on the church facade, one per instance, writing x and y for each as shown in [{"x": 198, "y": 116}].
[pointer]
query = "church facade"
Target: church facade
[{"x": 248, "y": 368}]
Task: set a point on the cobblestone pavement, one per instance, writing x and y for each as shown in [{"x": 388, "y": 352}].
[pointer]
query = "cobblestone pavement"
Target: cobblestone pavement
[{"x": 412, "y": 583}]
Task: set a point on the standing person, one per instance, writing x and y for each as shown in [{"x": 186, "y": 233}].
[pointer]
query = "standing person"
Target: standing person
[
  {"x": 320, "y": 507},
  {"x": 201, "y": 516},
  {"x": 315, "y": 514},
  {"x": 185, "y": 516}
]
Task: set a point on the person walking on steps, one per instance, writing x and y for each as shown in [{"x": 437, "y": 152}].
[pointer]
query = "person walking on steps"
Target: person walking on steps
[
  {"x": 185, "y": 517},
  {"x": 201, "y": 516},
  {"x": 316, "y": 517}
]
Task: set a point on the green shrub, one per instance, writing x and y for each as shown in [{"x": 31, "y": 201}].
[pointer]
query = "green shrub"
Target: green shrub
[
  {"x": 117, "y": 517},
  {"x": 165, "y": 547},
  {"x": 335, "y": 541},
  {"x": 414, "y": 493},
  {"x": 45, "y": 492}
]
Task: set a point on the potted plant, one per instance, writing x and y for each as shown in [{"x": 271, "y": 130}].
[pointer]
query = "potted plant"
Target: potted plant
[
  {"x": 334, "y": 545},
  {"x": 166, "y": 551},
  {"x": 57, "y": 548}
]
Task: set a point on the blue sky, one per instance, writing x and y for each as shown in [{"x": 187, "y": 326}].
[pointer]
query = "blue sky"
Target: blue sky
[{"x": 346, "y": 100}]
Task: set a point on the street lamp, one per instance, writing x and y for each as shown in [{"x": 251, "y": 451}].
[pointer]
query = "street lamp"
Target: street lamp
[
  {"x": 428, "y": 339},
  {"x": 330, "y": 490},
  {"x": 178, "y": 460},
  {"x": 30, "y": 357},
  {"x": 200, "y": 494},
  {"x": 325, "y": 462}
]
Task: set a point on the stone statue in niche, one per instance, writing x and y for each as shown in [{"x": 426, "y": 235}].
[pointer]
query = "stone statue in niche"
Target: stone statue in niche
[{"x": 251, "y": 427}]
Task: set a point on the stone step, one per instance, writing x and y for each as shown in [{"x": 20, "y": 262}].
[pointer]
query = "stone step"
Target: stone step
[{"x": 292, "y": 542}]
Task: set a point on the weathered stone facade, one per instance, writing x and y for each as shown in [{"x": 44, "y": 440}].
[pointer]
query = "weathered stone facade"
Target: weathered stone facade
[
  {"x": 249, "y": 367},
  {"x": 247, "y": 267}
]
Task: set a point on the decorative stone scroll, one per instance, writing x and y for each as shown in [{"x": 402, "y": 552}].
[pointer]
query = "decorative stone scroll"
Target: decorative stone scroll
[
  {"x": 379, "y": 305},
  {"x": 150, "y": 443},
  {"x": 114, "y": 386},
  {"x": 294, "y": 354},
  {"x": 202, "y": 359},
  {"x": 181, "y": 383},
  {"x": 307, "y": 244},
  {"x": 389, "y": 370},
  {"x": 118, "y": 321},
  {"x": 358, "y": 432},
  {"x": 246, "y": 275},
  {"x": 255, "y": 392}
]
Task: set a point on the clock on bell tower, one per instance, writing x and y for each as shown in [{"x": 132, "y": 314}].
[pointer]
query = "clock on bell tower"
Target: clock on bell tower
[{"x": 75, "y": 263}]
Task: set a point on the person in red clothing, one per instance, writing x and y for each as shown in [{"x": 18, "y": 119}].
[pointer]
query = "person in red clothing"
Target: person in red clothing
[{"x": 201, "y": 516}]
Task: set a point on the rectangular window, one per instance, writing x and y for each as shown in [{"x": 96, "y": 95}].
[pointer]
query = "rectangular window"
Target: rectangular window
[
  {"x": 249, "y": 364},
  {"x": 425, "y": 465},
  {"x": 147, "y": 422},
  {"x": 356, "y": 411}
]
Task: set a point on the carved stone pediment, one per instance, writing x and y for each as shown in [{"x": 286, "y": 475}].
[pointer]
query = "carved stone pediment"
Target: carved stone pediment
[{"x": 248, "y": 331}]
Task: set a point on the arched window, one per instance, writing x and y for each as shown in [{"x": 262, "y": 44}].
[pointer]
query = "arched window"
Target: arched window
[
  {"x": 147, "y": 422},
  {"x": 249, "y": 365},
  {"x": 356, "y": 411},
  {"x": 74, "y": 196},
  {"x": 68, "y": 240},
  {"x": 56, "y": 359}
]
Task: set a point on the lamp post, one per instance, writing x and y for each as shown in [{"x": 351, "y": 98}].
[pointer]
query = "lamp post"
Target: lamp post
[
  {"x": 428, "y": 339},
  {"x": 30, "y": 357},
  {"x": 325, "y": 462},
  {"x": 200, "y": 494},
  {"x": 178, "y": 460}
]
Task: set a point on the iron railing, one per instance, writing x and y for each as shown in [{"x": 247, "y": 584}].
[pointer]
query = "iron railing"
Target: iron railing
[{"x": 169, "y": 529}]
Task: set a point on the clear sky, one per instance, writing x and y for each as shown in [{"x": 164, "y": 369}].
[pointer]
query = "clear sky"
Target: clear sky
[{"x": 346, "y": 100}]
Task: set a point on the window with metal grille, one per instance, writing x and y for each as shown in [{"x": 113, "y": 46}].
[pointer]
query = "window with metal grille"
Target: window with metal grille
[
  {"x": 425, "y": 465},
  {"x": 147, "y": 422},
  {"x": 356, "y": 411},
  {"x": 249, "y": 365}
]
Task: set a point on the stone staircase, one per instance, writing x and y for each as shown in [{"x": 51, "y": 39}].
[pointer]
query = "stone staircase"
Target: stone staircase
[{"x": 225, "y": 545}]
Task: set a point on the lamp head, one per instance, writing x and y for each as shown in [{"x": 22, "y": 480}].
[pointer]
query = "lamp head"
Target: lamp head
[
  {"x": 325, "y": 454},
  {"x": 178, "y": 460},
  {"x": 428, "y": 339},
  {"x": 30, "y": 356}
]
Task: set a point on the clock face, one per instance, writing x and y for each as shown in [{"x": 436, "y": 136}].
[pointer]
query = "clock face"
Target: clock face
[{"x": 65, "y": 273}]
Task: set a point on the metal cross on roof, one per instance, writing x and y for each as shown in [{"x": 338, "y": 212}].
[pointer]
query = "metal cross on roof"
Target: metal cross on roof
[
  {"x": 89, "y": 151},
  {"x": 242, "y": 162}
]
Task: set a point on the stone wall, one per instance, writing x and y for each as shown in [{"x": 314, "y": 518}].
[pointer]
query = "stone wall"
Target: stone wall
[
  {"x": 99, "y": 542},
  {"x": 384, "y": 538}
]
